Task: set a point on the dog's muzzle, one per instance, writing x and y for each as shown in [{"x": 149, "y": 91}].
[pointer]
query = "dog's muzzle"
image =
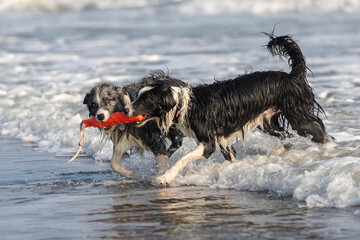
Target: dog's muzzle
[{"x": 128, "y": 111}]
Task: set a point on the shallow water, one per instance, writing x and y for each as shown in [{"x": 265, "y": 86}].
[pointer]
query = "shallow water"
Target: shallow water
[
  {"x": 51, "y": 54},
  {"x": 42, "y": 198}
]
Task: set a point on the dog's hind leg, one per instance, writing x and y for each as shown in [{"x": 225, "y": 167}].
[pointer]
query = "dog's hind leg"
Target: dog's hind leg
[
  {"x": 282, "y": 149},
  {"x": 228, "y": 153},
  {"x": 201, "y": 151},
  {"x": 273, "y": 128},
  {"x": 314, "y": 128},
  {"x": 118, "y": 155}
]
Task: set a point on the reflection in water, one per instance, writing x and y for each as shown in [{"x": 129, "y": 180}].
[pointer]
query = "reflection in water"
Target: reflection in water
[
  {"x": 76, "y": 202},
  {"x": 203, "y": 213}
]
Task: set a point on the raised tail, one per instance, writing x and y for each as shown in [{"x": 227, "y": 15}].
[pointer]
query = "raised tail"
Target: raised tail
[
  {"x": 285, "y": 46},
  {"x": 301, "y": 110}
]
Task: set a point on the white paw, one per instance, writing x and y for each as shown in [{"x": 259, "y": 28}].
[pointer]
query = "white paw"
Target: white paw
[
  {"x": 164, "y": 179},
  {"x": 123, "y": 171},
  {"x": 129, "y": 174}
]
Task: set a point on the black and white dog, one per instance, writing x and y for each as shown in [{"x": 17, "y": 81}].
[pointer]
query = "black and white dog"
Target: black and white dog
[
  {"x": 105, "y": 99},
  {"x": 218, "y": 113}
]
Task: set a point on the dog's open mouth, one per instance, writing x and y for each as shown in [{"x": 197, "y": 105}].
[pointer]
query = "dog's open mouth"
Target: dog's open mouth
[
  {"x": 146, "y": 117},
  {"x": 108, "y": 128}
]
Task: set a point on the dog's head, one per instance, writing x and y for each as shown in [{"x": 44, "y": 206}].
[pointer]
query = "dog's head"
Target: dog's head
[
  {"x": 160, "y": 101},
  {"x": 105, "y": 99}
]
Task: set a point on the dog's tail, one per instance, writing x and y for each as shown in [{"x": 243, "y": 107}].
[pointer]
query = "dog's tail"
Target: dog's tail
[
  {"x": 285, "y": 46},
  {"x": 303, "y": 109}
]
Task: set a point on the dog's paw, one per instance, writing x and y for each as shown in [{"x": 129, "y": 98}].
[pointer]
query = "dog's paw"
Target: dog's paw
[
  {"x": 282, "y": 149},
  {"x": 129, "y": 174},
  {"x": 164, "y": 179},
  {"x": 123, "y": 171}
]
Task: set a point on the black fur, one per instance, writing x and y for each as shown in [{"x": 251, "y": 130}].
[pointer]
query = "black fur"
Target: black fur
[
  {"x": 217, "y": 111},
  {"x": 110, "y": 98}
]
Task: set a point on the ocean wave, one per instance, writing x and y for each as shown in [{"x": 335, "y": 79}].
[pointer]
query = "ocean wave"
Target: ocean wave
[
  {"x": 210, "y": 7},
  {"x": 306, "y": 175},
  {"x": 48, "y": 64},
  {"x": 69, "y": 5}
]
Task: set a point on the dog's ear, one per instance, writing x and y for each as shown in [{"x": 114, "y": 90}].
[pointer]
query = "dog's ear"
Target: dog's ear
[
  {"x": 87, "y": 99},
  {"x": 168, "y": 100},
  {"x": 119, "y": 90},
  {"x": 123, "y": 96}
]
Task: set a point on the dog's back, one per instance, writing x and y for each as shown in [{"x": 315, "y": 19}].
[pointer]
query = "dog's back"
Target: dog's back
[
  {"x": 236, "y": 104},
  {"x": 218, "y": 113}
]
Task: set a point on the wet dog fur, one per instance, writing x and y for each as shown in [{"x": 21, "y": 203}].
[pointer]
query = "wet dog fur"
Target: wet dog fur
[
  {"x": 219, "y": 113},
  {"x": 106, "y": 98}
]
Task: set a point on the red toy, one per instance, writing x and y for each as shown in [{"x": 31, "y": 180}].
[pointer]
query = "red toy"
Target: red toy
[{"x": 115, "y": 118}]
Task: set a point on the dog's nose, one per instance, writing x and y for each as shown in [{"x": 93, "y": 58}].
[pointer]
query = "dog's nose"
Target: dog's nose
[
  {"x": 126, "y": 110},
  {"x": 100, "y": 116}
]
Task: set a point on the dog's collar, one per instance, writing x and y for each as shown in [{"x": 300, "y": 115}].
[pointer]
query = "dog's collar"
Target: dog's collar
[
  {"x": 121, "y": 127},
  {"x": 177, "y": 115}
]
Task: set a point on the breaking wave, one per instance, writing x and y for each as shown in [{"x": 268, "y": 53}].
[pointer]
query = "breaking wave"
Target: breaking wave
[{"x": 210, "y": 7}]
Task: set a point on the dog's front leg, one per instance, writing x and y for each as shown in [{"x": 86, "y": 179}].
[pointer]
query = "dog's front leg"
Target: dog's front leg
[
  {"x": 171, "y": 174},
  {"x": 118, "y": 155}
]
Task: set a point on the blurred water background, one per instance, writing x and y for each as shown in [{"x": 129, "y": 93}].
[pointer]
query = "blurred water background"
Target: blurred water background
[{"x": 53, "y": 52}]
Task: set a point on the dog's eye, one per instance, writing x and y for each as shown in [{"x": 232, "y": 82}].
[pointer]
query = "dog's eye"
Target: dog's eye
[
  {"x": 109, "y": 100},
  {"x": 93, "y": 104}
]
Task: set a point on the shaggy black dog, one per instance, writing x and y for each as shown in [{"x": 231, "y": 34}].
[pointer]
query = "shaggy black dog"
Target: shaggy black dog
[
  {"x": 218, "y": 113},
  {"x": 106, "y": 98}
]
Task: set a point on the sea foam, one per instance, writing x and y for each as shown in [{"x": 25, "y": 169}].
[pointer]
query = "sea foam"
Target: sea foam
[
  {"x": 303, "y": 174},
  {"x": 212, "y": 7},
  {"x": 50, "y": 61}
]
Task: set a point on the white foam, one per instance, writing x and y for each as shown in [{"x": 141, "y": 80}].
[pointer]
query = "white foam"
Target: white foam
[
  {"x": 42, "y": 90},
  {"x": 30, "y": 138},
  {"x": 6, "y": 102},
  {"x": 345, "y": 137},
  {"x": 65, "y": 5},
  {"x": 300, "y": 174},
  {"x": 210, "y": 7}
]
